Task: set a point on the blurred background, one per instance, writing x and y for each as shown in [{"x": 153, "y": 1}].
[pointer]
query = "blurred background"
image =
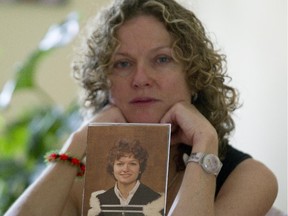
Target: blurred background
[{"x": 43, "y": 111}]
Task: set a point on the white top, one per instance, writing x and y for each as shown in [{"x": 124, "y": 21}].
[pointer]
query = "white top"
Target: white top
[{"x": 124, "y": 201}]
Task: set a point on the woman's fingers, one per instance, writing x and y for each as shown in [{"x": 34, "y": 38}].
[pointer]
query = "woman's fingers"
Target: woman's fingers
[
  {"x": 110, "y": 113},
  {"x": 189, "y": 126},
  {"x": 77, "y": 142}
]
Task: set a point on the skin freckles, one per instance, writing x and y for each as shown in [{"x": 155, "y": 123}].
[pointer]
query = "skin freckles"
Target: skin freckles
[{"x": 146, "y": 80}]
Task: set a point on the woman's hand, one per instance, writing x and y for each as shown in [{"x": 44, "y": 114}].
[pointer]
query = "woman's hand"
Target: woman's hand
[
  {"x": 77, "y": 142},
  {"x": 109, "y": 113},
  {"x": 189, "y": 126}
]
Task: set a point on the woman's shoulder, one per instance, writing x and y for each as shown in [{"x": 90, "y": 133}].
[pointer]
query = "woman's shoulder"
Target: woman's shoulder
[
  {"x": 232, "y": 157},
  {"x": 250, "y": 182}
]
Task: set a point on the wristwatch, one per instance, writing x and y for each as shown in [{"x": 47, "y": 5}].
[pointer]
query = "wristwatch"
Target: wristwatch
[{"x": 209, "y": 162}]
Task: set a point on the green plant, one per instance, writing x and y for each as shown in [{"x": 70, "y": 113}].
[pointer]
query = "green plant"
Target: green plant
[{"x": 25, "y": 140}]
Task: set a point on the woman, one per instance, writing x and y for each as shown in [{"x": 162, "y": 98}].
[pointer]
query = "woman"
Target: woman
[
  {"x": 126, "y": 163},
  {"x": 151, "y": 61}
]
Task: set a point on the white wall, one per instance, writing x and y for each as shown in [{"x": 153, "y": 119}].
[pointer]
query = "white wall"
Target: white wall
[{"x": 253, "y": 34}]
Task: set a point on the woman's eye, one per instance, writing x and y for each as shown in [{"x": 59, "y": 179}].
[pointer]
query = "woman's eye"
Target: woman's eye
[
  {"x": 163, "y": 59},
  {"x": 122, "y": 67},
  {"x": 122, "y": 64}
]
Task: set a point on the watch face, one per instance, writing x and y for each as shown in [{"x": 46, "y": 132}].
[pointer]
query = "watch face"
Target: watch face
[{"x": 211, "y": 164}]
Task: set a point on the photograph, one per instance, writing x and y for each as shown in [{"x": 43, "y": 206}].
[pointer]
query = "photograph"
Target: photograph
[{"x": 133, "y": 169}]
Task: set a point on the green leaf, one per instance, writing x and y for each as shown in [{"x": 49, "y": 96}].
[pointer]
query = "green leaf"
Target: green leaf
[
  {"x": 25, "y": 75},
  {"x": 14, "y": 179},
  {"x": 24, "y": 78},
  {"x": 13, "y": 139}
]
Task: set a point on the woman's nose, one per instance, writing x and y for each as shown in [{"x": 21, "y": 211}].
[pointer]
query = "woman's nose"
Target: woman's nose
[
  {"x": 125, "y": 167},
  {"x": 142, "y": 76}
]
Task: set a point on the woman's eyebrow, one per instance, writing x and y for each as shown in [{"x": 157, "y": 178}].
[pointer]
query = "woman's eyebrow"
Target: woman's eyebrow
[
  {"x": 126, "y": 54},
  {"x": 165, "y": 47}
]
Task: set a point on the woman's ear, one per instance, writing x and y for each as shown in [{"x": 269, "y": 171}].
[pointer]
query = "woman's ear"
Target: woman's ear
[{"x": 194, "y": 97}]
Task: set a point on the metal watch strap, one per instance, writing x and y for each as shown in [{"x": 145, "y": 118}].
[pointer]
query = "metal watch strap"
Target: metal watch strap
[
  {"x": 209, "y": 162},
  {"x": 195, "y": 157}
]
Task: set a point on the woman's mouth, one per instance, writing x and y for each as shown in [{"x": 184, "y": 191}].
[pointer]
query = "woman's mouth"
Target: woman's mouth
[
  {"x": 125, "y": 175},
  {"x": 143, "y": 100}
]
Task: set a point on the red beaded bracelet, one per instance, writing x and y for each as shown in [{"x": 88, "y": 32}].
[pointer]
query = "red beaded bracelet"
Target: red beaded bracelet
[{"x": 54, "y": 157}]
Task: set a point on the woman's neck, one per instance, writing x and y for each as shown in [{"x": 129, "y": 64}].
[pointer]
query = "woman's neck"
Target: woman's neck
[{"x": 125, "y": 188}]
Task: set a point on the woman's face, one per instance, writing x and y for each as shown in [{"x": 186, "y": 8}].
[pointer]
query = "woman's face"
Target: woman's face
[
  {"x": 146, "y": 80},
  {"x": 126, "y": 170}
]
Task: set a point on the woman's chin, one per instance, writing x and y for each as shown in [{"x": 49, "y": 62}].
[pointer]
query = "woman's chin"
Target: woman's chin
[{"x": 143, "y": 119}]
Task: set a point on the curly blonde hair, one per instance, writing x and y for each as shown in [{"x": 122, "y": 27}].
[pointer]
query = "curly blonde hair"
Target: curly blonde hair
[{"x": 204, "y": 66}]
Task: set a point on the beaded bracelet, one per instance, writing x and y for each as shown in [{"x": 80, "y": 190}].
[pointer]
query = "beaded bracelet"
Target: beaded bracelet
[{"x": 55, "y": 157}]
